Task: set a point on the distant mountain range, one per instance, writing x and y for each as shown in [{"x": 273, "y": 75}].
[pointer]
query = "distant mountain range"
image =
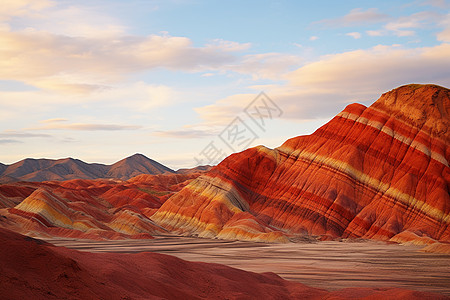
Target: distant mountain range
[{"x": 69, "y": 168}]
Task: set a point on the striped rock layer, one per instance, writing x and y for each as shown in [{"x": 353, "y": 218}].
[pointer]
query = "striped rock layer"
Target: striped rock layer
[
  {"x": 379, "y": 172},
  {"x": 90, "y": 209}
]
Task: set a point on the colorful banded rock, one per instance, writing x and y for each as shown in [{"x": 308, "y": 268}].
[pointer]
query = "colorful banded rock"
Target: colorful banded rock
[
  {"x": 378, "y": 172},
  {"x": 90, "y": 209}
]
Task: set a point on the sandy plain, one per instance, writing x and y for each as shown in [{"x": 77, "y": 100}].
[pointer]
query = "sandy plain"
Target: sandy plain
[{"x": 329, "y": 265}]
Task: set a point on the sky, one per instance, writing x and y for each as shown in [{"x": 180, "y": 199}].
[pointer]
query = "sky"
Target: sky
[{"x": 189, "y": 82}]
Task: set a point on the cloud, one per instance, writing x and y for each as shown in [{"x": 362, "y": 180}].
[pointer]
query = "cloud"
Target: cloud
[
  {"x": 266, "y": 65},
  {"x": 140, "y": 96},
  {"x": 81, "y": 64},
  {"x": 53, "y": 51},
  {"x": 228, "y": 46},
  {"x": 356, "y": 17},
  {"x": 224, "y": 110},
  {"x": 375, "y": 32},
  {"x": 48, "y": 47},
  {"x": 403, "y": 26},
  {"x": 18, "y": 134},
  {"x": 375, "y": 68},
  {"x": 407, "y": 25},
  {"x": 129, "y": 97},
  {"x": 13, "y": 136},
  {"x": 185, "y": 133},
  {"x": 437, "y": 3},
  {"x": 9, "y": 141},
  {"x": 355, "y": 35},
  {"x": 85, "y": 127},
  {"x": 444, "y": 35},
  {"x": 54, "y": 120},
  {"x": 22, "y": 8},
  {"x": 313, "y": 38},
  {"x": 322, "y": 88}
]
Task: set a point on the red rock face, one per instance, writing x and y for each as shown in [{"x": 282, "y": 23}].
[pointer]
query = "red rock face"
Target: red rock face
[
  {"x": 33, "y": 269},
  {"x": 89, "y": 209},
  {"x": 378, "y": 172}
]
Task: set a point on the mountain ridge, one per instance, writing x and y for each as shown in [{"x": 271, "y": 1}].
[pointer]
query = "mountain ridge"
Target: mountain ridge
[{"x": 30, "y": 169}]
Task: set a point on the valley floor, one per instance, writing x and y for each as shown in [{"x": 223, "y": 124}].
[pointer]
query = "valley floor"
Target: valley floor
[{"x": 327, "y": 265}]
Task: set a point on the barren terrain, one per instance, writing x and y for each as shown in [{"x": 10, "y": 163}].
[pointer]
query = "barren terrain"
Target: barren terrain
[{"x": 330, "y": 265}]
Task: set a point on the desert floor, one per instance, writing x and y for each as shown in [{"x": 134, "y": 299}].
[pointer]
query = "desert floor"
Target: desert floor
[{"x": 328, "y": 265}]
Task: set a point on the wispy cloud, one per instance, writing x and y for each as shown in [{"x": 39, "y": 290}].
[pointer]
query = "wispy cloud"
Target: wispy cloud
[
  {"x": 19, "y": 134},
  {"x": 54, "y": 120},
  {"x": 375, "y": 32},
  {"x": 265, "y": 65},
  {"x": 322, "y": 88},
  {"x": 80, "y": 64},
  {"x": 355, "y": 35},
  {"x": 228, "y": 46},
  {"x": 404, "y": 26},
  {"x": 26, "y": 8},
  {"x": 437, "y": 3},
  {"x": 375, "y": 69},
  {"x": 62, "y": 125},
  {"x": 66, "y": 55},
  {"x": 185, "y": 133},
  {"x": 355, "y": 17},
  {"x": 444, "y": 35},
  {"x": 9, "y": 141}
]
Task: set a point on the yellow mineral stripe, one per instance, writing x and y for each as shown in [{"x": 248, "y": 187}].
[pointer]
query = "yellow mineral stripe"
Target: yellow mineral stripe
[
  {"x": 389, "y": 131},
  {"x": 172, "y": 219},
  {"x": 227, "y": 194},
  {"x": 52, "y": 215},
  {"x": 194, "y": 225},
  {"x": 373, "y": 183}
]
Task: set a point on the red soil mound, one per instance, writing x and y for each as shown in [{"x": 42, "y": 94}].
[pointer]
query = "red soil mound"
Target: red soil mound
[{"x": 32, "y": 269}]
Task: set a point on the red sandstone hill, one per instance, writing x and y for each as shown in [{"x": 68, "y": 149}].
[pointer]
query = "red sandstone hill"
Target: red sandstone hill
[
  {"x": 89, "y": 209},
  {"x": 69, "y": 168},
  {"x": 378, "y": 172},
  {"x": 33, "y": 269}
]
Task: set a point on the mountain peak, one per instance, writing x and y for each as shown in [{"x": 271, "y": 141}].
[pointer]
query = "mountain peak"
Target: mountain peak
[
  {"x": 425, "y": 106},
  {"x": 138, "y": 156},
  {"x": 31, "y": 169},
  {"x": 136, "y": 164}
]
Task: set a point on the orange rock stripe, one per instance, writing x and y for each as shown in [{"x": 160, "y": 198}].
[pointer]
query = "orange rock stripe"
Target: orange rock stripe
[
  {"x": 396, "y": 135},
  {"x": 373, "y": 183}
]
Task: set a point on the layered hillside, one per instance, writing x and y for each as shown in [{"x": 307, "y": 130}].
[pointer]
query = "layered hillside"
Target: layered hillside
[
  {"x": 68, "y": 168},
  {"x": 90, "y": 209},
  {"x": 378, "y": 172}
]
